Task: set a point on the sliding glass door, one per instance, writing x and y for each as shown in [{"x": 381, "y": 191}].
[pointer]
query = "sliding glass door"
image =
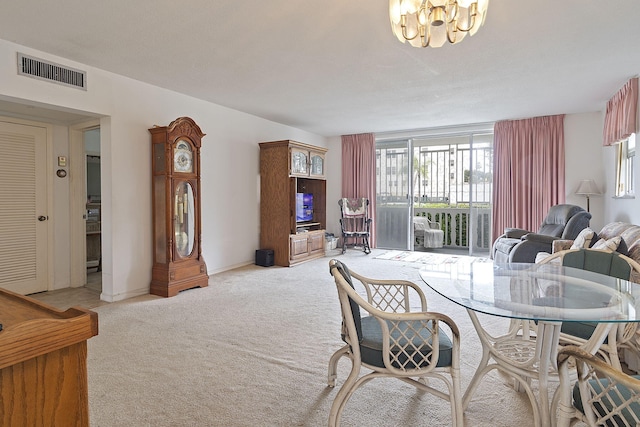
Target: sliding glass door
[
  {"x": 393, "y": 189},
  {"x": 448, "y": 179},
  {"x": 480, "y": 194}
]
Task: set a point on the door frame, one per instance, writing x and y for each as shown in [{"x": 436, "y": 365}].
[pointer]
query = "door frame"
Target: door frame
[
  {"x": 78, "y": 201},
  {"x": 412, "y": 139}
]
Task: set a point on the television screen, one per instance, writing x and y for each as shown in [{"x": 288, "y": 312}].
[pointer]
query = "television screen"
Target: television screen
[{"x": 304, "y": 207}]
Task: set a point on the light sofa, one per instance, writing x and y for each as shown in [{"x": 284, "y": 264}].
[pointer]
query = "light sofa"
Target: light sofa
[{"x": 629, "y": 243}]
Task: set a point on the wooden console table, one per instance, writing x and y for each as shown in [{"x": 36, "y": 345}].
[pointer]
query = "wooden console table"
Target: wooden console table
[{"x": 43, "y": 363}]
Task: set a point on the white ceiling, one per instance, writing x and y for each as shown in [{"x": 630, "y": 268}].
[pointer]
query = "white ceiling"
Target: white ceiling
[{"x": 333, "y": 67}]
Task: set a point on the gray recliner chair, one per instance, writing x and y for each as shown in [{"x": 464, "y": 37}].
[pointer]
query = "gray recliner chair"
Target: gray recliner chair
[{"x": 518, "y": 245}]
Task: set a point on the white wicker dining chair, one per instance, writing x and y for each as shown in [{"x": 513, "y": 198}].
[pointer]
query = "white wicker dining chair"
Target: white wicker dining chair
[
  {"x": 384, "y": 335},
  {"x": 611, "y": 264},
  {"x": 601, "y": 396}
]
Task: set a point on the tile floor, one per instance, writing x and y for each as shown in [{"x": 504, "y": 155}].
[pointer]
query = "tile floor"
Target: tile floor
[{"x": 87, "y": 296}]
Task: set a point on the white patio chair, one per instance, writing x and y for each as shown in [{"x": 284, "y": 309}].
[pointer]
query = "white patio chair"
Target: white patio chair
[{"x": 611, "y": 264}]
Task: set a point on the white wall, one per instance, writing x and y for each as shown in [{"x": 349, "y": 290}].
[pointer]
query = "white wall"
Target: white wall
[
  {"x": 334, "y": 184},
  {"x": 60, "y": 218},
  {"x": 230, "y": 170},
  {"x": 584, "y": 160}
]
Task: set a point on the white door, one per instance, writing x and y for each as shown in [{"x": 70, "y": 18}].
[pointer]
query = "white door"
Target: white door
[{"x": 23, "y": 208}]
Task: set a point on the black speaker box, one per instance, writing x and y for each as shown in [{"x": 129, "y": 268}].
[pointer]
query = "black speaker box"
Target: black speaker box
[{"x": 264, "y": 257}]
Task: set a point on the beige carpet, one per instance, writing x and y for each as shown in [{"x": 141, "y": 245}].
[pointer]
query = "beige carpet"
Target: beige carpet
[{"x": 252, "y": 350}]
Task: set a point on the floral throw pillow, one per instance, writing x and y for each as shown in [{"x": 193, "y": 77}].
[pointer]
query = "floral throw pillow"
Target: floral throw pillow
[
  {"x": 609, "y": 245},
  {"x": 583, "y": 240}
]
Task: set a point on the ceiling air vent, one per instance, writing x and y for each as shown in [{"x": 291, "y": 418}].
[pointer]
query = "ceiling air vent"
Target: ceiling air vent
[{"x": 51, "y": 72}]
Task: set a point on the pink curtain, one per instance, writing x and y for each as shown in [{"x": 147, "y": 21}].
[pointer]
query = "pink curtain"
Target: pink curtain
[
  {"x": 528, "y": 171},
  {"x": 621, "y": 116},
  {"x": 359, "y": 172}
]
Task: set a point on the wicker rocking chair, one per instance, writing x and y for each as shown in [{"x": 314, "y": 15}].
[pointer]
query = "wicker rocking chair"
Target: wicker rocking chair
[{"x": 355, "y": 223}]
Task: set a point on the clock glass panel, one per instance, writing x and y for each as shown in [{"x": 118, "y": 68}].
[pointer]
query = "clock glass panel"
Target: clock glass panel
[{"x": 184, "y": 219}]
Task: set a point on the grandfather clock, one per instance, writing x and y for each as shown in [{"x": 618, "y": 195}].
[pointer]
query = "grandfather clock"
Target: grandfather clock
[{"x": 177, "y": 250}]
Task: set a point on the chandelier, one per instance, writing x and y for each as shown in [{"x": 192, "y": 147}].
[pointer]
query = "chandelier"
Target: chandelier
[{"x": 426, "y": 23}]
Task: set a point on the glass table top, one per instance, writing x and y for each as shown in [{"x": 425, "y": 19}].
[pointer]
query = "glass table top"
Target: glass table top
[{"x": 548, "y": 292}]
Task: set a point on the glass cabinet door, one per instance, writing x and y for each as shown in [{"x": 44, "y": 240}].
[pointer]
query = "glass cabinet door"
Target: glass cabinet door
[
  {"x": 299, "y": 162},
  {"x": 317, "y": 165},
  {"x": 184, "y": 219}
]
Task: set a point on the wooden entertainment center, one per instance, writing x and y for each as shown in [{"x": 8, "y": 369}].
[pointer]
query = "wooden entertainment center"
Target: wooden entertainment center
[{"x": 288, "y": 168}]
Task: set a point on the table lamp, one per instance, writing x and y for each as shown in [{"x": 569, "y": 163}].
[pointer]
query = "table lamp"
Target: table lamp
[{"x": 587, "y": 188}]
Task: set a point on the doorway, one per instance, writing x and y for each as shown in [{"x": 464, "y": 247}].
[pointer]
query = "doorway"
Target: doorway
[
  {"x": 93, "y": 216},
  {"x": 447, "y": 179}
]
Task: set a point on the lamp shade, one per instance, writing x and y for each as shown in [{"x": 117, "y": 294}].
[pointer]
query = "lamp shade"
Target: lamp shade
[{"x": 587, "y": 187}]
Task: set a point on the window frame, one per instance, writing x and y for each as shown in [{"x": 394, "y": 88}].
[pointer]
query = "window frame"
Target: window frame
[{"x": 625, "y": 156}]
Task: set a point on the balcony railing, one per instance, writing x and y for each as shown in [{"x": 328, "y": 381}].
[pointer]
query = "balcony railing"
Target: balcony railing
[{"x": 392, "y": 226}]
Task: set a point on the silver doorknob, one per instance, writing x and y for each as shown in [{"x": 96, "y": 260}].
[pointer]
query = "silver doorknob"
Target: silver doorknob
[{"x": 42, "y": 218}]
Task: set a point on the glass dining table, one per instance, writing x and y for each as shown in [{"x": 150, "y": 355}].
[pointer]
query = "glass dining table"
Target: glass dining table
[{"x": 538, "y": 299}]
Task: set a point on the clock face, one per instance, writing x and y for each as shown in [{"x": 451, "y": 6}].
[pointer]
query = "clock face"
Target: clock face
[{"x": 183, "y": 157}]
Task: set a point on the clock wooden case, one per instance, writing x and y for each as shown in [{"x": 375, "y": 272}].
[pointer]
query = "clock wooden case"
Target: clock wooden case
[{"x": 177, "y": 245}]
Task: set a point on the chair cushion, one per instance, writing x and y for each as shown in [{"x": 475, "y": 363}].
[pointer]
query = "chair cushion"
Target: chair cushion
[
  {"x": 357, "y": 207},
  {"x": 541, "y": 256},
  {"x": 554, "y": 230},
  {"x": 582, "y": 330},
  {"x": 613, "y": 399},
  {"x": 433, "y": 238},
  {"x": 607, "y": 263},
  {"x": 514, "y": 233},
  {"x": 505, "y": 245},
  {"x": 584, "y": 238},
  {"x": 420, "y": 223},
  {"x": 608, "y": 245},
  {"x": 371, "y": 344},
  {"x": 560, "y": 214},
  {"x": 355, "y": 308}
]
